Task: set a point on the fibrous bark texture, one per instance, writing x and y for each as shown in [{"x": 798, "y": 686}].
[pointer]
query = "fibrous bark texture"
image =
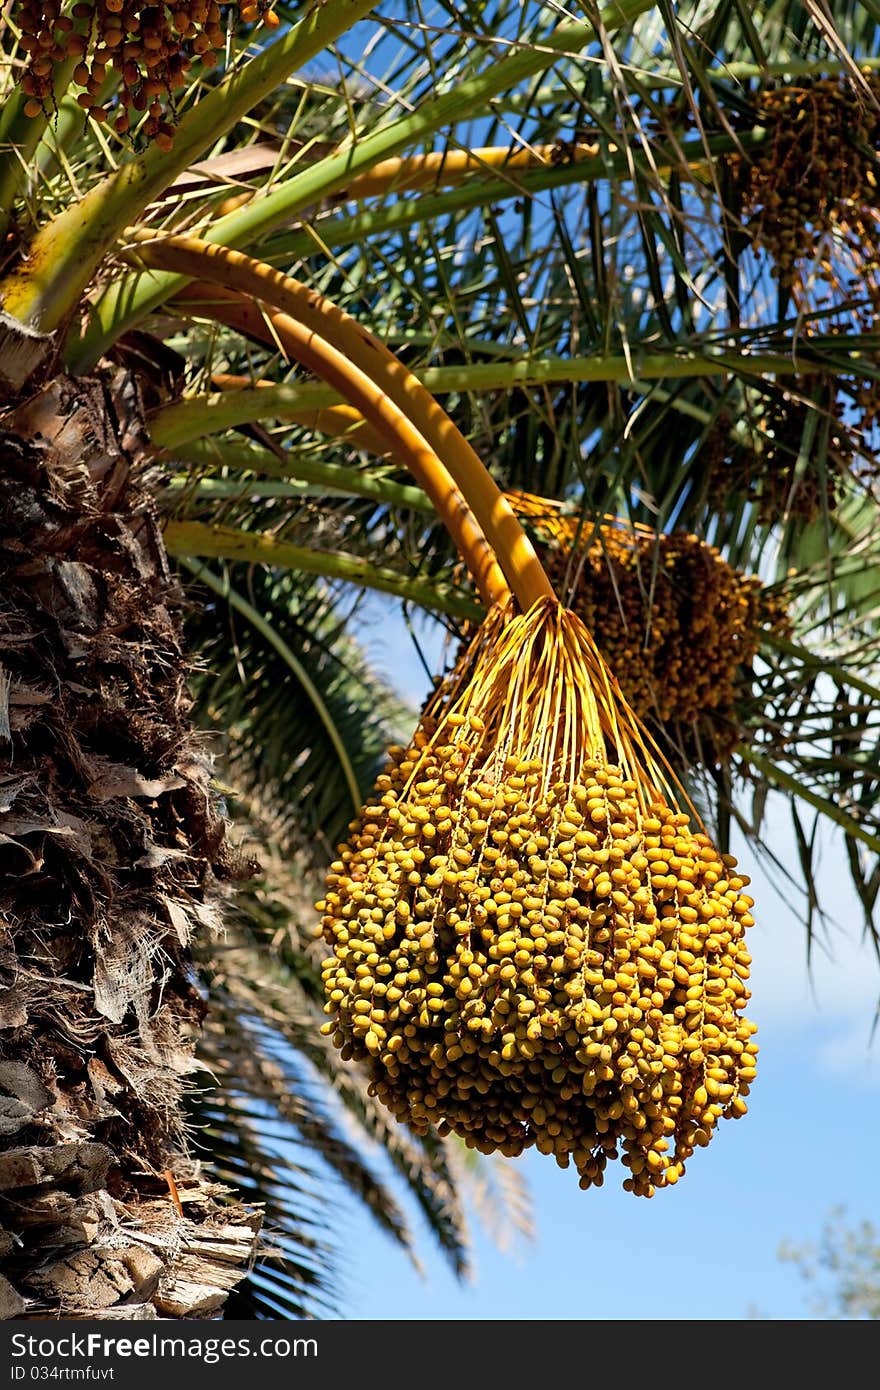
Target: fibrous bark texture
[{"x": 110, "y": 852}]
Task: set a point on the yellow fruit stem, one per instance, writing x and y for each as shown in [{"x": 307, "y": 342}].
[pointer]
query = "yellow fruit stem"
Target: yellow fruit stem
[
  {"x": 335, "y": 420},
  {"x": 357, "y": 349},
  {"x": 320, "y": 357},
  {"x": 228, "y": 381},
  {"x": 442, "y": 168}
]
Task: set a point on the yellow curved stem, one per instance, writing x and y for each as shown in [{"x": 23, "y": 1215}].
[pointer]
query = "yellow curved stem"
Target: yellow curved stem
[
  {"x": 360, "y": 350},
  {"x": 441, "y": 169},
  {"x": 309, "y": 348},
  {"x": 339, "y": 421}
]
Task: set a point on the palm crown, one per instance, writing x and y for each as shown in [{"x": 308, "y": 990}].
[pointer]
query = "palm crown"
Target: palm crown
[{"x": 634, "y": 254}]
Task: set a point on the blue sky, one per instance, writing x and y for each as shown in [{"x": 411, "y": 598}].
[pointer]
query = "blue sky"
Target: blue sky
[{"x": 707, "y": 1248}]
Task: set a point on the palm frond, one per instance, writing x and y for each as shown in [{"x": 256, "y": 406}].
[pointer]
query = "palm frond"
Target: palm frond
[{"x": 275, "y": 735}]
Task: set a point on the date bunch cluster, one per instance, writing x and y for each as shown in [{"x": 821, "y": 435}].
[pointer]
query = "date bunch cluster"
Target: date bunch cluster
[
  {"x": 766, "y": 468},
  {"x": 816, "y": 173},
  {"x": 129, "y": 58},
  {"x": 676, "y": 623},
  {"x": 529, "y": 945},
  {"x": 810, "y": 198}
]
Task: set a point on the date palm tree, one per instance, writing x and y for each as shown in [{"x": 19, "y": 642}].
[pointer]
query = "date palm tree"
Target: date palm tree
[{"x": 635, "y": 254}]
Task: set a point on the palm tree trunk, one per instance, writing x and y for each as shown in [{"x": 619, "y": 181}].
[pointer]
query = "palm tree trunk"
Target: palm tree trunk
[{"x": 110, "y": 854}]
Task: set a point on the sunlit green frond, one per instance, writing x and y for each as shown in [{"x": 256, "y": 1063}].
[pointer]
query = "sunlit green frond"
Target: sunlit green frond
[{"x": 280, "y": 735}]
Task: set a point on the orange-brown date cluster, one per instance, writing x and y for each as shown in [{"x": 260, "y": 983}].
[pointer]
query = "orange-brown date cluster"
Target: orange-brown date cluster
[{"x": 129, "y": 58}]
